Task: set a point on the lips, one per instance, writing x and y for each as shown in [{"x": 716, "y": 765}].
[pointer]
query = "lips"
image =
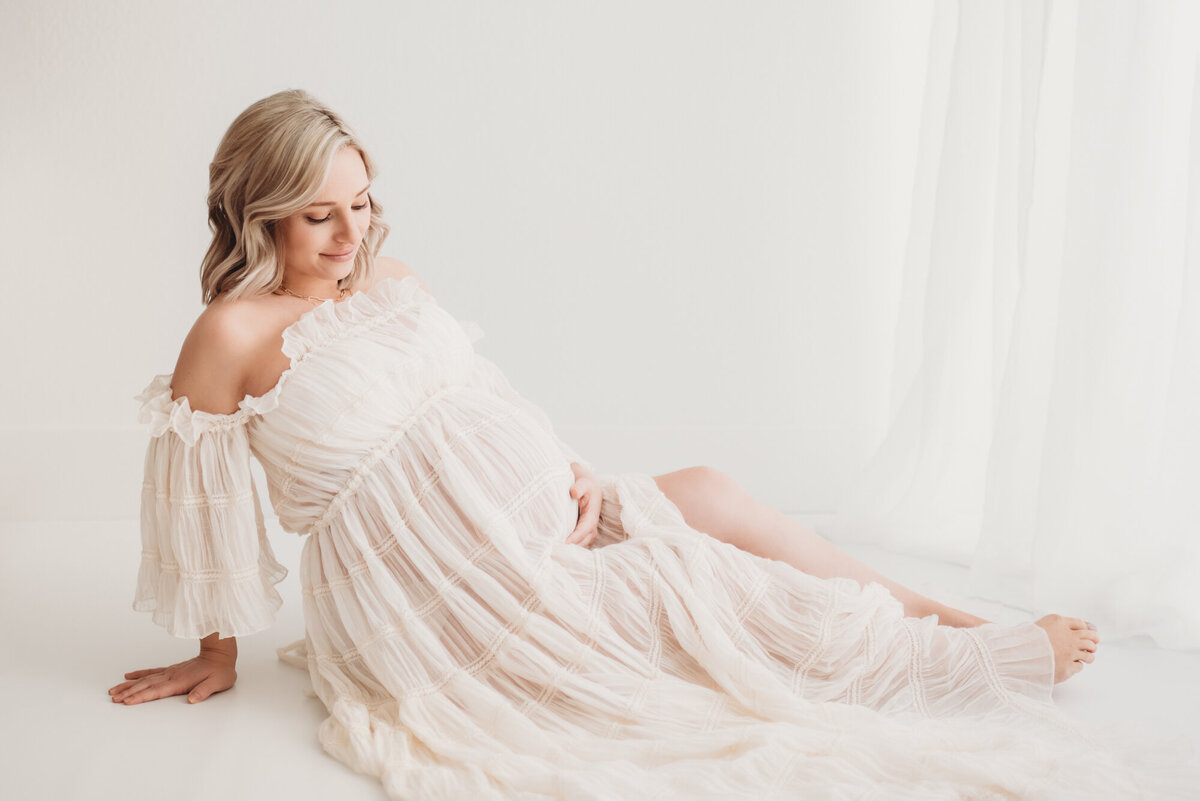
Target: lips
[{"x": 341, "y": 256}]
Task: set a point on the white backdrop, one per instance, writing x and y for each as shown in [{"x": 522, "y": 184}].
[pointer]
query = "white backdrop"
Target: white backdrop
[
  {"x": 680, "y": 224},
  {"x": 1046, "y": 372}
]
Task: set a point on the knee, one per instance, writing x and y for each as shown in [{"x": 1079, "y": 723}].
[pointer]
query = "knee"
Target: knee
[
  {"x": 708, "y": 475},
  {"x": 709, "y": 500},
  {"x": 707, "y": 482}
]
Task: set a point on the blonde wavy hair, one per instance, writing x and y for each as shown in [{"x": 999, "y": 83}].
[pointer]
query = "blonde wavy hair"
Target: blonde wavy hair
[{"x": 272, "y": 163}]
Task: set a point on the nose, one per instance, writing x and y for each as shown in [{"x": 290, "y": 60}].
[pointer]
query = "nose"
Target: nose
[{"x": 347, "y": 230}]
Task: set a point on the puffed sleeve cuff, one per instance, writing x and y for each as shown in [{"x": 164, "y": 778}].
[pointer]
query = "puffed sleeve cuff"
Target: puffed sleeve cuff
[{"x": 207, "y": 566}]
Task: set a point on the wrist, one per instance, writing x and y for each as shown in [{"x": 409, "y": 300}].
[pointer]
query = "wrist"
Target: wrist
[{"x": 215, "y": 646}]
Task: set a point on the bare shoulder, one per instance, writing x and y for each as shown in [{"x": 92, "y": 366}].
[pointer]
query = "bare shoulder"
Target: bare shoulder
[
  {"x": 387, "y": 267},
  {"x": 219, "y": 353}
]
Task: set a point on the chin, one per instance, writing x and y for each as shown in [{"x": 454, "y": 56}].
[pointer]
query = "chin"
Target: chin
[{"x": 341, "y": 272}]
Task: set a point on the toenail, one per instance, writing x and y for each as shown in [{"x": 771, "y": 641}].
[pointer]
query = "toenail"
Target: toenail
[{"x": 1091, "y": 626}]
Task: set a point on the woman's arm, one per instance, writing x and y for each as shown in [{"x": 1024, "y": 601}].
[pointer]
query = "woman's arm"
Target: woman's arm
[
  {"x": 210, "y": 672},
  {"x": 205, "y": 374},
  {"x": 211, "y": 373}
]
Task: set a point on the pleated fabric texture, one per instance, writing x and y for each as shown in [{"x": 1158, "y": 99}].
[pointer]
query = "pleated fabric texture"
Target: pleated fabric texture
[{"x": 465, "y": 651}]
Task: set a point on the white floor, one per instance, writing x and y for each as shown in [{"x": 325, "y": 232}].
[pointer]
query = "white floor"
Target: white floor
[{"x": 67, "y": 634}]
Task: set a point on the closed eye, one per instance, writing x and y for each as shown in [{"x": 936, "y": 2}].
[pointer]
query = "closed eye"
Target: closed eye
[{"x": 327, "y": 217}]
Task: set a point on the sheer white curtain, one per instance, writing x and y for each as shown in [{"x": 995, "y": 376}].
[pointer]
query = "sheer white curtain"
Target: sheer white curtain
[{"x": 1045, "y": 397}]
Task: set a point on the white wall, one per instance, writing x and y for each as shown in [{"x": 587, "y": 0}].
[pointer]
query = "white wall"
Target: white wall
[{"x": 679, "y": 223}]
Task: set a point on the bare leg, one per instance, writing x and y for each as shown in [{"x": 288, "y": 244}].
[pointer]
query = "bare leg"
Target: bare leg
[{"x": 714, "y": 503}]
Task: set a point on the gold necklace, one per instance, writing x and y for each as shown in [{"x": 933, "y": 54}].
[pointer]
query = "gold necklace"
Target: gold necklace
[{"x": 314, "y": 300}]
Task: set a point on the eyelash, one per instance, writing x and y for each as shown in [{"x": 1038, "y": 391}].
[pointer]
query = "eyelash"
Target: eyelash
[{"x": 327, "y": 216}]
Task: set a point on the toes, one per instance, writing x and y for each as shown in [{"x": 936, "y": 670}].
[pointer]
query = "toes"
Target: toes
[{"x": 1077, "y": 623}]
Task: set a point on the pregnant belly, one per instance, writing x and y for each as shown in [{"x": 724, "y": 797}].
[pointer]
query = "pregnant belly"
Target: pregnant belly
[{"x": 506, "y": 472}]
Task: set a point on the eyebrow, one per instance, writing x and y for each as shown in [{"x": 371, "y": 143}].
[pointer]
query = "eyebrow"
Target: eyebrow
[{"x": 332, "y": 203}]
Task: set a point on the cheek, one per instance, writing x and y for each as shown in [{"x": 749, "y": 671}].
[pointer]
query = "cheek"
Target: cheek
[
  {"x": 302, "y": 240},
  {"x": 291, "y": 238}
]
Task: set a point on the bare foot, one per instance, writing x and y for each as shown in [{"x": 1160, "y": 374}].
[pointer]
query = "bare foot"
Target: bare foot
[{"x": 1074, "y": 644}]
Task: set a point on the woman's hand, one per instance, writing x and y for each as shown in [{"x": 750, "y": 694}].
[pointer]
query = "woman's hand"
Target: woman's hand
[
  {"x": 210, "y": 672},
  {"x": 587, "y": 491}
]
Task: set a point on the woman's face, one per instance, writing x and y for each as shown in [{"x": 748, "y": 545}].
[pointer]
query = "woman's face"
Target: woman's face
[{"x": 319, "y": 242}]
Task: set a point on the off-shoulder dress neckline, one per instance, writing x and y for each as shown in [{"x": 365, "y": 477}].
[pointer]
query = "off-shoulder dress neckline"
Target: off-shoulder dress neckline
[{"x": 304, "y": 335}]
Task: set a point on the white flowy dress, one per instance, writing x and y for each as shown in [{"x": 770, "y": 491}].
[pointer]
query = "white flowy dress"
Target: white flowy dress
[{"x": 463, "y": 650}]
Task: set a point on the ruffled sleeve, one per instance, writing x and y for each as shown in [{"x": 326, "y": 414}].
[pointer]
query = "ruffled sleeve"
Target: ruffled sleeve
[
  {"x": 207, "y": 565},
  {"x": 487, "y": 375}
]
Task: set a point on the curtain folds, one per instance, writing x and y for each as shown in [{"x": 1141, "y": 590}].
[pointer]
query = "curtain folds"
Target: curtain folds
[{"x": 1045, "y": 392}]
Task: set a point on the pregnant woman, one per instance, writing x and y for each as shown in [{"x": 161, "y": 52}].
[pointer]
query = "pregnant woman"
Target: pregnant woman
[{"x": 485, "y": 618}]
